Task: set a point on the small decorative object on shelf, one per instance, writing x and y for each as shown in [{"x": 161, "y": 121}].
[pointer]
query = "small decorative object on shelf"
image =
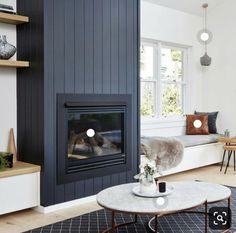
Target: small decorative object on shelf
[
  {"x": 6, "y": 50},
  {"x": 11, "y": 145},
  {"x": 5, "y": 160},
  {"x": 147, "y": 176},
  {"x": 6, "y": 9},
  {"x": 226, "y": 133}
]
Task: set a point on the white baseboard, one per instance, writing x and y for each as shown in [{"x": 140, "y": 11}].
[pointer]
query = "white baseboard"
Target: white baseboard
[{"x": 52, "y": 208}]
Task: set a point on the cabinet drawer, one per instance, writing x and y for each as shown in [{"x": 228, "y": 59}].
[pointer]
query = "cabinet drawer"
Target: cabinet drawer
[{"x": 19, "y": 192}]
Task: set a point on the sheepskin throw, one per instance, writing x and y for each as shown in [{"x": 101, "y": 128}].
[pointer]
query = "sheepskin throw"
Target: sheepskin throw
[{"x": 167, "y": 152}]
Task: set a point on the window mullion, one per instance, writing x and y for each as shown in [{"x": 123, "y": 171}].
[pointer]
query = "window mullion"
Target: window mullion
[
  {"x": 158, "y": 83},
  {"x": 185, "y": 85}
]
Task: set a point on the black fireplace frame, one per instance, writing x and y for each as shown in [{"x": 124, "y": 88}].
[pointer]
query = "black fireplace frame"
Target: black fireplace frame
[{"x": 115, "y": 163}]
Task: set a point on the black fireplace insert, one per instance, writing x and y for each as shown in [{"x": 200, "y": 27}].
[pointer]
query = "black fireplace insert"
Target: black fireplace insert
[{"x": 94, "y": 135}]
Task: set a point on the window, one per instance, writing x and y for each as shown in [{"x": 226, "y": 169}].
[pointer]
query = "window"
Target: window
[{"x": 163, "y": 79}]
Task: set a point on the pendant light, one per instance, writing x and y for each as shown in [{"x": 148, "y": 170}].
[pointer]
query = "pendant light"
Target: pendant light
[{"x": 205, "y": 37}]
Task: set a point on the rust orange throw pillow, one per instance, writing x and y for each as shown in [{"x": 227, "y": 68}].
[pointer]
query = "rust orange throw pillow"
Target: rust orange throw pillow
[{"x": 197, "y": 124}]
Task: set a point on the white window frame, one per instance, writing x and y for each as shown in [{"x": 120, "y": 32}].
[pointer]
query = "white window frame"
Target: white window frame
[{"x": 157, "y": 45}]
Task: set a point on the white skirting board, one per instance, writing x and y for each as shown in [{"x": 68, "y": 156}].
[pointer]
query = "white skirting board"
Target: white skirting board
[
  {"x": 198, "y": 156},
  {"x": 52, "y": 208}
]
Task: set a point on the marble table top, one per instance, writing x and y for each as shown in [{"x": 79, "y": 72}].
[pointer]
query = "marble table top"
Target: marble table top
[
  {"x": 214, "y": 192},
  {"x": 186, "y": 195}
]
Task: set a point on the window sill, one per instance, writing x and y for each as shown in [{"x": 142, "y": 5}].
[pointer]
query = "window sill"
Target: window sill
[
  {"x": 151, "y": 120},
  {"x": 169, "y": 122}
]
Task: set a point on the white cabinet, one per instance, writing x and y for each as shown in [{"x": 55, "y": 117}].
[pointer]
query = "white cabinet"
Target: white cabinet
[{"x": 19, "y": 192}]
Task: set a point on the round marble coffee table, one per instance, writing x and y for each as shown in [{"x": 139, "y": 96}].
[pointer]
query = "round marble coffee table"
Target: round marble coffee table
[
  {"x": 186, "y": 196},
  {"x": 213, "y": 193}
]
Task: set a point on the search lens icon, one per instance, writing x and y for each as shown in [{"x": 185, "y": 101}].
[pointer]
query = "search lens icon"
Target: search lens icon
[{"x": 220, "y": 218}]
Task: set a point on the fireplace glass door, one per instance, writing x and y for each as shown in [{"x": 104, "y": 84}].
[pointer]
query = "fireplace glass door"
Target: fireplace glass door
[{"x": 95, "y": 133}]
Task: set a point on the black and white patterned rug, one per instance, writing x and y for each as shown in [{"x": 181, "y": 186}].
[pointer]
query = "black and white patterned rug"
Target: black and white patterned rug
[{"x": 96, "y": 222}]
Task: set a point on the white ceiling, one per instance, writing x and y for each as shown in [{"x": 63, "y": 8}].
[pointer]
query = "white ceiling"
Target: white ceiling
[{"x": 188, "y": 6}]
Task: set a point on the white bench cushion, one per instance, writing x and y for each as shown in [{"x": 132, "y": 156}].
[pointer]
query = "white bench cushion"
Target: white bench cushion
[{"x": 196, "y": 140}]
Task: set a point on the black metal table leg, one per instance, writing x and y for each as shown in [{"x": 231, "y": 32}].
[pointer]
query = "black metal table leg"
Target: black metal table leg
[
  {"x": 113, "y": 222},
  {"x": 234, "y": 160},
  {"x": 206, "y": 216},
  {"x": 155, "y": 224},
  {"x": 223, "y": 160},
  {"x": 114, "y": 226},
  {"x": 229, "y": 156}
]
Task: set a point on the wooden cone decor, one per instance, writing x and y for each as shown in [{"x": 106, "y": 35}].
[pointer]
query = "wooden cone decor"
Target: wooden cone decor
[{"x": 11, "y": 145}]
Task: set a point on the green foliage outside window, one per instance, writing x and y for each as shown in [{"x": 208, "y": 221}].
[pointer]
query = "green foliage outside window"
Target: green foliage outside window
[
  {"x": 147, "y": 103},
  {"x": 171, "y": 101}
]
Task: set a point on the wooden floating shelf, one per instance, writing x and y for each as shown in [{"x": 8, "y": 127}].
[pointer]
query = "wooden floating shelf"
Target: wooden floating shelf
[
  {"x": 13, "y": 19},
  {"x": 17, "y": 64}
]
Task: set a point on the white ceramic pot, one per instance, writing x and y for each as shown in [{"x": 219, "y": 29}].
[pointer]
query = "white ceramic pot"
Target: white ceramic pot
[{"x": 147, "y": 187}]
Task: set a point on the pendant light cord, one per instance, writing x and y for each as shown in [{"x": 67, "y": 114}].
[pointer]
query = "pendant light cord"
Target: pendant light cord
[
  {"x": 205, "y": 28},
  {"x": 205, "y": 8}
]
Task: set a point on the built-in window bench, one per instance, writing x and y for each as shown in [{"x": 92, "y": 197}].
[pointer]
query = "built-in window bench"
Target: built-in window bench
[
  {"x": 199, "y": 151},
  {"x": 19, "y": 187}
]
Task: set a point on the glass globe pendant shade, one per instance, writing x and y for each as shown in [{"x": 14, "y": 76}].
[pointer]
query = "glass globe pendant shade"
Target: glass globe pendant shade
[
  {"x": 205, "y": 60},
  {"x": 204, "y": 36}
]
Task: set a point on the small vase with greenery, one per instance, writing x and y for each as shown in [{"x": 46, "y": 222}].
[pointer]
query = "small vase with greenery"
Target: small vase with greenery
[
  {"x": 147, "y": 175},
  {"x": 4, "y": 162}
]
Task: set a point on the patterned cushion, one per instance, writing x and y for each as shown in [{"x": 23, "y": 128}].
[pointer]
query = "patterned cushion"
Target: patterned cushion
[
  {"x": 197, "y": 124},
  {"x": 212, "y": 116}
]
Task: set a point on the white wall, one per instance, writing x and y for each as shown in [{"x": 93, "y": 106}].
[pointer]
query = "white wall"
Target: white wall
[
  {"x": 7, "y": 87},
  {"x": 165, "y": 24},
  {"x": 219, "y": 87}
]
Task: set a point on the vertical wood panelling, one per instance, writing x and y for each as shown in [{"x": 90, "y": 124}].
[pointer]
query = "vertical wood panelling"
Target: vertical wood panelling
[
  {"x": 79, "y": 45},
  {"x": 98, "y": 74},
  {"x": 115, "y": 179},
  {"x": 89, "y": 66},
  {"x": 59, "y": 78},
  {"x": 97, "y": 185},
  {"x": 48, "y": 176},
  {"x": 130, "y": 81},
  {"x": 122, "y": 46},
  {"x": 106, "y": 39},
  {"x": 69, "y": 68},
  {"x": 79, "y": 66},
  {"x": 89, "y": 187},
  {"x": 106, "y": 181},
  {"x": 97, "y": 44},
  {"x": 90, "y": 46},
  {"x": 70, "y": 46},
  {"x": 122, "y": 177},
  {"x": 114, "y": 46},
  {"x": 89, "y": 54},
  {"x": 136, "y": 90}
]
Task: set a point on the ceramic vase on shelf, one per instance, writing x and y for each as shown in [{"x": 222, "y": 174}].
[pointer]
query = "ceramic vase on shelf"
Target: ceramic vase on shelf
[
  {"x": 147, "y": 186},
  {"x": 12, "y": 145},
  {"x": 6, "y": 50}
]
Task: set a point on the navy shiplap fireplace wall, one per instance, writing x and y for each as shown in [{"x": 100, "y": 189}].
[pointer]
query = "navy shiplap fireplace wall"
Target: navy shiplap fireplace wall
[{"x": 74, "y": 47}]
